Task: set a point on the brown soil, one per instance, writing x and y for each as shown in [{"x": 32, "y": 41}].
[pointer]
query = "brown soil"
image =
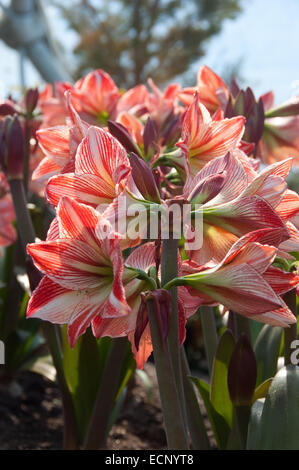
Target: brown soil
[{"x": 31, "y": 416}]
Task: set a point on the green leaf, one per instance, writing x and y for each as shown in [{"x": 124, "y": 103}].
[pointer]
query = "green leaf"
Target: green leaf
[
  {"x": 44, "y": 366},
  {"x": 254, "y": 427},
  {"x": 279, "y": 422},
  {"x": 261, "y": 390},
  {"x": 218, "y": 423},
  {"x": 266, "y": 350},
  {"x": 219, "y": 393},
  {"x": 82, "y": 367}
]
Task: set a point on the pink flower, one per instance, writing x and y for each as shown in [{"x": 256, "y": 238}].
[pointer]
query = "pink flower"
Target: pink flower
[
  {"x": 84, "y": 273},
  {"x": 212, "y": 91},
  {"x": 204, "y": 139},
  {"x": 101, "y": 169},
  {"x": 95, "y": 97},
  {"x": 231, "y": 207},
  {"x": 243, "y": 282},
  {"x": 59, "y": 145}
]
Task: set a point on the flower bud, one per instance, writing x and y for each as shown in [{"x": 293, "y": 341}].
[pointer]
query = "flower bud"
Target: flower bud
[
  {"x": 150, "y": 135},
  {"x": 162, "y": 307},
  {"x": 245, "y": 104},
  {"x": 242, "y": 373},
  {"x": 123, "y": 136},
  {"x": 144, "y": 179},
  {"x": 7, "y": 108},
  {"x": 31, "y": 99},
  {"x": 12, "y": 152}
]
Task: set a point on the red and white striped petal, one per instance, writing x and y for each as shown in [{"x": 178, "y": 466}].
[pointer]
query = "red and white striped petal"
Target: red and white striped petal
[
  {"x": 45, "y": 169},
  {"x": 240, "y": 288},
  {"x": 281, "y": 281},
  {"x": 289, "y": 205},
  {"x": 142, "y": 257},
  {"x": 282, "y": 317},
  {"x": 71, "y": 263},
  {"x": 204, "y": 139},
  {"x": 78, "y": 222},
  {"x": 102, "y": 155},
  {"x": 52, "y": 302},
  {"x": 235, "y": 181},
  {"x": 54, "y": 142},
  {"x": 88, "y": 189},
  {"x": 116, "y": 304}
]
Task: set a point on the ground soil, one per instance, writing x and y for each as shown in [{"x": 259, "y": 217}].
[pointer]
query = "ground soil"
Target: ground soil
[{"x": 31, "y": 416}]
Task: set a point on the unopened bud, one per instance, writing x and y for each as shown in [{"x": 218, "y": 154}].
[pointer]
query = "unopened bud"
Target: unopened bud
[
  {"x": 31, "y": 99},
  {"x": 150, "y": 135},
  {"x": 123, "y": 136},
  {"x": 144, "y": 179},
  {"x": 7, "y": 108},
  {"x": 12, "y": 152},
  {"x": 242, "y": 373}
]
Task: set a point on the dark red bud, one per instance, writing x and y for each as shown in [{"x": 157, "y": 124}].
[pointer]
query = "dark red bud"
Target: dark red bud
[
  {"x": 12, "y": 152},
  {"x": 144, "y": 179},
  {"x": 141, "y": 322},
  {"x": 208, "y": 188},
  {"x": 123, "y": 136},
  {"x": 172, "y": 131},
  {"x": 234, "y": 87},
  {"x": 162, "y": 299},
  {"x": 31, "y": 99},
  {"x": 7, "y": 108},
  {"x": 150, "y": 135},
  {"x": 242, "y": 373}
]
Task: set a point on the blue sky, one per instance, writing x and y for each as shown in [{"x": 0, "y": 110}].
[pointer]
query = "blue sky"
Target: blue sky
[{"x": 264, "y": 39}]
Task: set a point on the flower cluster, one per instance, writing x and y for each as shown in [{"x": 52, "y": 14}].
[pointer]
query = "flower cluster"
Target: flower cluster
[{"x": 107, "y": 153}]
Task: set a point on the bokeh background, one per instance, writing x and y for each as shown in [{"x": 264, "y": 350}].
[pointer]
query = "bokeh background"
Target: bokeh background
[{"x": 255, "y": 40}]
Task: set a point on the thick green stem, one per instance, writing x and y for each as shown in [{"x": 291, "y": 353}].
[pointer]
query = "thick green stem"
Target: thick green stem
[
  {"x": 241, "y": 325},
  {"x": 28, "y": 132},
  {"x": 169, "y": 271},
  {"x": 209, "y": 330},
  {"x": 96, "y": 435},
  {"x": 290, "y": 334},
  {"x": 196, "y": 424},
  {"x": 171, "y": 406},
  {"x": 25, "y": 226}
]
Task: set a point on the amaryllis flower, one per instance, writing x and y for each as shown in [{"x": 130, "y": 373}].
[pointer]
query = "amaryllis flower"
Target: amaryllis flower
[
  {"x": 204, "y": 139},
  {"x": 242, "y": 283},
  {"x": 95, "y": 97},
  {"x": 52, "y": 104},
  {"x": 162, "y": 105},
  {"x": 59, "y": 145},
  {"x": 84, "y": 272},
  {"x": 133, "y": 101},
  {"x": 211, "y": 89},
  {"x": 101, "y": 169},
  {"x": 230, "y": 207},
  {"x": 140, "y": 260},
  {"x": 280, "y": 139}
]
